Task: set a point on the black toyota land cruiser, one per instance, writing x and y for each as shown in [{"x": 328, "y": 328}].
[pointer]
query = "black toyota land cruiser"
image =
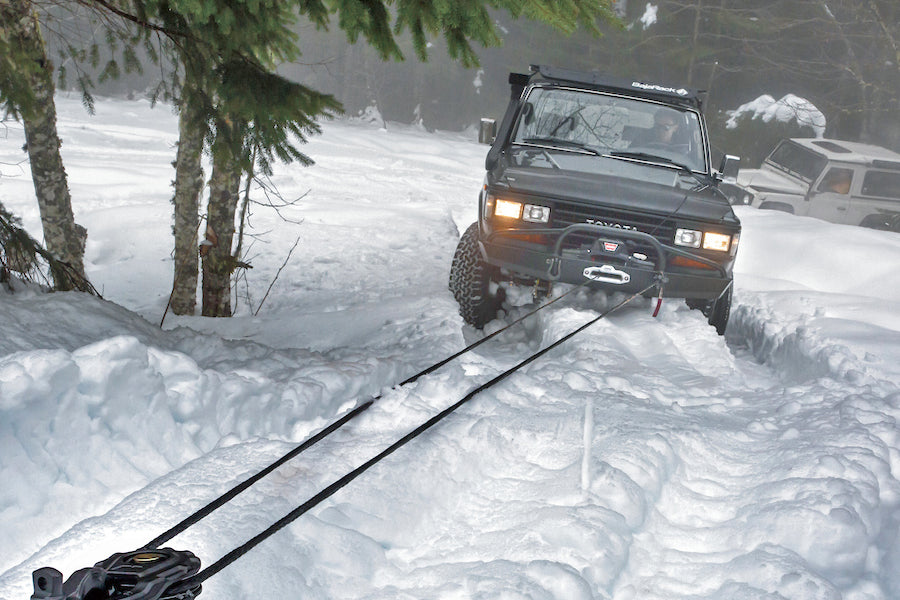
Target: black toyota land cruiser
[{"x": 605, "y": 180}]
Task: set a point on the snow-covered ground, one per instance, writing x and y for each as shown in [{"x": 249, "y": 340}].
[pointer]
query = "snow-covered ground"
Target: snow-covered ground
[{"x": 644, "y": 459}]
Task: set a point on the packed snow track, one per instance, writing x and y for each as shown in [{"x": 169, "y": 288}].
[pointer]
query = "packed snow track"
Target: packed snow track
[{"x": 647, "y": 458}]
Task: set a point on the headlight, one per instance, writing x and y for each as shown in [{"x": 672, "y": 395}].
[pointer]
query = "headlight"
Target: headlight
[
  {"x": 536, "y": 214},
  {"x": 510, "y": 209},
  {"x": 688, "y": 237},
  {"x": 507, "y": 208},
  {"x": 716, "y": 241},
  {"x": 694, "y": 238}
]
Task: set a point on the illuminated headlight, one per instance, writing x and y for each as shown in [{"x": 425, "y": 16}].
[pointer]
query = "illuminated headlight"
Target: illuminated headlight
[
  {"x": 716, "y": 241},
  {"x": 688, "y": 237},
  {"x": 536, "y": 214},
  {"x": 511, "y": 209},
  {"x": 507, "y": 208},
  {"x": 693, "y": 238}
]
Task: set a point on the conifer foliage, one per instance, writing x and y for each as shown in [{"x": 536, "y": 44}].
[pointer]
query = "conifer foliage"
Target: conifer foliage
[{"x": 227, "y": 52}]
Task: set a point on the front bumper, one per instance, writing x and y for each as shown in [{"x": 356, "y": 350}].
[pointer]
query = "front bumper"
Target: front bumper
[{"x": 612, "y": 267}]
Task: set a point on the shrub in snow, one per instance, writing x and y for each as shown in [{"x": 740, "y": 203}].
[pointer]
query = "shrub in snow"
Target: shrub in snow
[
  {"x": 418, "y": 121},
  {"x": 371, "y": 114},
  {"x": 754, "y": 129},
  {"x": 789, "y": 109}
]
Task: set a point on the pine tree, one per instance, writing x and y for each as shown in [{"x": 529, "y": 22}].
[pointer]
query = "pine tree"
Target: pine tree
[
  {"x": 231, "y": 96},
  {"x": 274, "y": 113}
]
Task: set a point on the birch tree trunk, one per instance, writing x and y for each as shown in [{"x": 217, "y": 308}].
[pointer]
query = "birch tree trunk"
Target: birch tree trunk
[
  {"x": 188, "y": 183},
  {"x": 64, "y": 238},
  {"x": 218, "y": 263}
]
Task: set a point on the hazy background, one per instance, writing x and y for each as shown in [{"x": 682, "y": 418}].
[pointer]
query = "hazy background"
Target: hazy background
[{"x": 841, "y": 55}]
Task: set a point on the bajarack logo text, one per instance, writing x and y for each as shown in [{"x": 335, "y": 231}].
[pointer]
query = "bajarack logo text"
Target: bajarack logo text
[{"x": 658, "y": 88}]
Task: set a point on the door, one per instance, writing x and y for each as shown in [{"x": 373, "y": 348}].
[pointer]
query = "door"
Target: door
[
  {"x": 830, "y": 200},
  {"x": 878, "y": 199}
]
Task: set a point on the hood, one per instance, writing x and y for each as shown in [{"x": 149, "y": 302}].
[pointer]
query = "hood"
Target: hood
[
  {"x": 770, "y": 180},
  {"x": 657, "y": 191}
]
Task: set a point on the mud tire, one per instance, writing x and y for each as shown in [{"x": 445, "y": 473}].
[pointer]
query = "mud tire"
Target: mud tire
[
  {"x": 474, "y": 282},
  {"x": 715, "y": 311}
]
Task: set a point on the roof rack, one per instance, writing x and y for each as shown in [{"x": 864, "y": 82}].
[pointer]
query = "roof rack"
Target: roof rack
[{"x": 653, "y": 91}]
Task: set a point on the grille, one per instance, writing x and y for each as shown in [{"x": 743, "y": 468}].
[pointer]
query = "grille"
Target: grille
[{"x": 565, "y": 214}]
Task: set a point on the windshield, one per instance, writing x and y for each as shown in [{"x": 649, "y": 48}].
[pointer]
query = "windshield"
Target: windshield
[
  {"x": 797, "y": 160},
  {"x": 598, "y": 123}
]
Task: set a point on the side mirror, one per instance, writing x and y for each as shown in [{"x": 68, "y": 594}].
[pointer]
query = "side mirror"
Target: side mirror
[
  {"x": 728, "y": 169},
  {"x": 487, "y": 131}
]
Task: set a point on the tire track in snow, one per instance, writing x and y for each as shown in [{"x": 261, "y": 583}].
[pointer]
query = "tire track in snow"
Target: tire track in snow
[{"x": 799, "y": 495}]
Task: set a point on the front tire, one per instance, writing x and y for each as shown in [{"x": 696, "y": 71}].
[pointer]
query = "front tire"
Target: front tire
[
  {"x": 474, "y": 282},
  {"x": 720, "y": 310},
  {"x": 716, "y": 311}
]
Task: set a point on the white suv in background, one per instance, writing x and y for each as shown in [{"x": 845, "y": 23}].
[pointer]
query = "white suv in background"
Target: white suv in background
[{"x": 833, "y": 180}]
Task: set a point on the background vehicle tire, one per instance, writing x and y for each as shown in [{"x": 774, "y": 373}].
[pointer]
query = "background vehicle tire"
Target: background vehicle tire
[
  {"x": 474, "y": 282},
  {"x": 882, "y": 221},
  {"x": 777, "y": 206}
]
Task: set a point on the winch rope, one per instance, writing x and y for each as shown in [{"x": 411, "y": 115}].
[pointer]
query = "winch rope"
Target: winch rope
[
  {"x": 334, "y": 487},
  {"x": 331, "y": 428}
]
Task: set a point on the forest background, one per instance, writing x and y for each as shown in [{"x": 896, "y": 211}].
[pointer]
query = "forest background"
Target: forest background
[{"x": 841, "y": 55}]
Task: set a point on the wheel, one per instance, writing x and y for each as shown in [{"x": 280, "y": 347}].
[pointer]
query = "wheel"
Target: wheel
[
  {"x": 777, "y": 206},
  {"x": 882, "y": 221},
  {"x": 719, "y": 311},
  {"x": 474, "y": 282},
  {"x": 716, "y": 311}
]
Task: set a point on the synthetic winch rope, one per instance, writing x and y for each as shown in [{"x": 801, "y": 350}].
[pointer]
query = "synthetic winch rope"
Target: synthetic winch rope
[
  {"x": 153, "y": 573},
  {"x": 230, "y": 494},
  {"x": 343, "y": 481}
]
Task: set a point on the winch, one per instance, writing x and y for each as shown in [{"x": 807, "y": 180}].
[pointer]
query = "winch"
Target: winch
[{"x": 139, "y": 575}]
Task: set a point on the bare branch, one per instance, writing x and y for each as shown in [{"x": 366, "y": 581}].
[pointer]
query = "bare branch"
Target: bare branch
[{"x": 283, "y": 265}]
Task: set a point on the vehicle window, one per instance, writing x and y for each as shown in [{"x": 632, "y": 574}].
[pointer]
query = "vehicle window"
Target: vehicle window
[
  {"x": 883, "y": 184},
  {"x": 836, "y": 181},
  {"x": 605, "y": 123},
  {"x": 797, "y": 160}
]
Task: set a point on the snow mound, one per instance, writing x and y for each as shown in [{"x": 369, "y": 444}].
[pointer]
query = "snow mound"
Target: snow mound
[{"x": 788, "y": 108}]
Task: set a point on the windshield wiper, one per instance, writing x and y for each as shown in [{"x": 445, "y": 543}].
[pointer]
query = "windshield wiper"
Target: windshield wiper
[
  {"x": 651, "y": 157},
  {"x": 563, "y": 144},
  {"x": 658, "y": 159}
]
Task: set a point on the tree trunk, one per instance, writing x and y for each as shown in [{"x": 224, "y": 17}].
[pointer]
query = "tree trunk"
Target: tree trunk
[
  {"x": 853, "y": 68},
  {"x": 188, "y": 183},
  {"x": 695, "y": 38},
  {"x": 218, "y": 263},
  {"x": 64, "y": 238}
]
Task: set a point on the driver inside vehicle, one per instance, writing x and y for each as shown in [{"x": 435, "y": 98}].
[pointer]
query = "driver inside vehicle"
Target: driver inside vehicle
[
  {"x": 665, "y": 126},
  {"x": 837, "y": 181},
  {"x": 665, "y": 132}
]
